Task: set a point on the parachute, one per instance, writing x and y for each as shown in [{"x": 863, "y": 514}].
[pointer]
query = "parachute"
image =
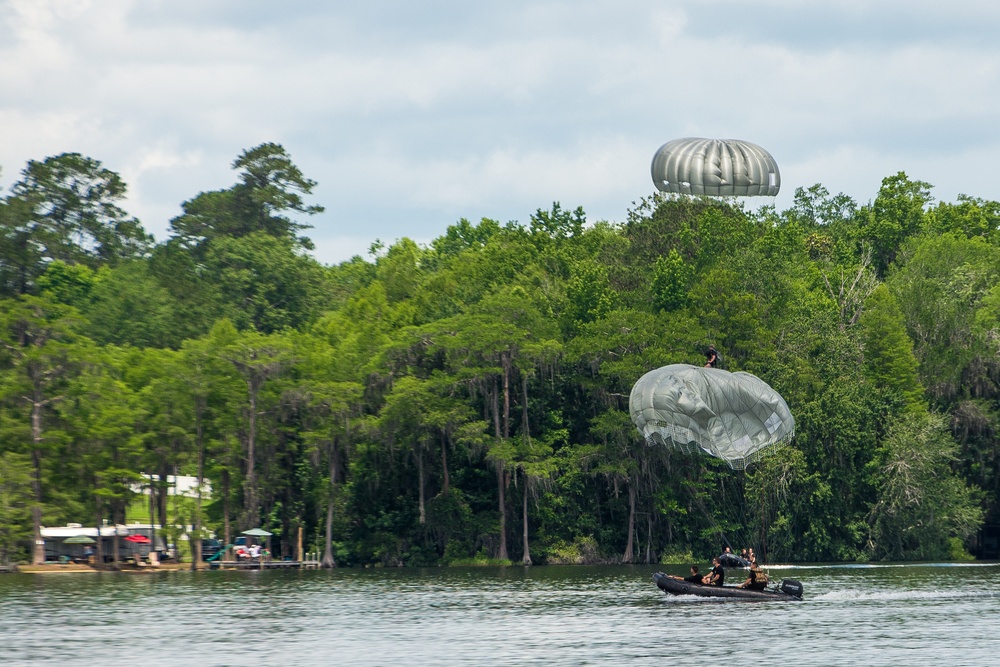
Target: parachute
[
  {"x": 717, "y": 167},
  {"x": 736, "y": 417}
]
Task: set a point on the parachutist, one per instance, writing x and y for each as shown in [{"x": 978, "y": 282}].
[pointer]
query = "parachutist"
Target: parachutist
[{"x": 711, "y": 357}]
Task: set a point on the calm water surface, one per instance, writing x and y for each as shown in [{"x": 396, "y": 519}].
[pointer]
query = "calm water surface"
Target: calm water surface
[{"x": 933, "y": 614}]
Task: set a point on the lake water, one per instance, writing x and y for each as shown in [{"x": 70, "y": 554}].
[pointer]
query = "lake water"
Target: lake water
[{"x": 935, "y": 614}]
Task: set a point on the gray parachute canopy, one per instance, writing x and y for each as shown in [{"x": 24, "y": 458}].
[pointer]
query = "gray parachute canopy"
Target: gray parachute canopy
[
  {"x": 719, "y": 167},
  {"x": 733, "y": 416}
]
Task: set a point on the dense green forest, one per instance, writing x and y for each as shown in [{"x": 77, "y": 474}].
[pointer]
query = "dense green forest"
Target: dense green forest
[{"x": 467, "y": 401}]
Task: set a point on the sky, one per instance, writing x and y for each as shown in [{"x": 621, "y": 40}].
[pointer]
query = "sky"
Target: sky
[{"x": 413, "y": 115}]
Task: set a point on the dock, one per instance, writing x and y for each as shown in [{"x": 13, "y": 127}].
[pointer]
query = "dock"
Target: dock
[{"x": 247, "y": 564}]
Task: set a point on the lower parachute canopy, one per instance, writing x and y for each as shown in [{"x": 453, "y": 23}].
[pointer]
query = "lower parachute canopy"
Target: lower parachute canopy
[{"x": 736, "y": 417}]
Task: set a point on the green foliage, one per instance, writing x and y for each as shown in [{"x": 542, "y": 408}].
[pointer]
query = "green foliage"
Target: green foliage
[
  {"x": 128, "y": 306},
  {"x": 589, "y": 293},
  {"x": 582, "y": 551},
  {"x": 888, "y": 350},
  {"x": 557, "y": 223},
  {"x": 15, "y": 504},
  {"x": 671, "y": 279},
  {"x": 263, "y": 283},
  {"x": 969, "y": 216},
  {"x": 270, "y": 186},
  {"x": 922, "y": 505},
  {"x": 70, "y": 284},
  {"x": 677, "y": 557},
  {"x": 73, "y": 211},
  {"x": 64, "y": 209},
  {"x": 896, "y": 214},
  {"x": 815, "y": 206},
  {"x": 464, "y": 236},
  {"x": 467, "y": 402},
  {"x": 399, "y": 270}
]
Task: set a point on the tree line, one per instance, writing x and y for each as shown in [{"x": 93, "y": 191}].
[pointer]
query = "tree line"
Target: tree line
[{"x": 467, "y": 400}]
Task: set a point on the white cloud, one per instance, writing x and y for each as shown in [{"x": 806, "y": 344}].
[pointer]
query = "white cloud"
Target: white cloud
[{"x": 410, "y": 117}]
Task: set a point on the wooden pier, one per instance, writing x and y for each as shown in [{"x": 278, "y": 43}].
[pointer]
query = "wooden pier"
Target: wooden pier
[
  {"x": 257, "y": 564},
  {"x": 310, "y": 562}
]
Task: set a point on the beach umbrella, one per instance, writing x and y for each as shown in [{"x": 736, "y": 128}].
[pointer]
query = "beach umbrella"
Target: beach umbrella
[
  {"x": 79, "y": 539},
  {"x": 256, "y": 532},
  {"x": 259, "y": 532},
  {"x": 135, "y": 541}
]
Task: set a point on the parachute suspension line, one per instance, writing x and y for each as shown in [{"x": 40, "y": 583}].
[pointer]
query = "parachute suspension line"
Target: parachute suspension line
[
  {"x": 745, "y": 536},
  {"x": 741, "y": 515},
  {"x": 710, "y": 516},
  {"x": 735, "y": 417}
]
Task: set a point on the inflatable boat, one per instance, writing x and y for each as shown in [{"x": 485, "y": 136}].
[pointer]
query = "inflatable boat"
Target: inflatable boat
[
  {"x": 788, "y": 589},
  {"x": 731, "y": 561}
]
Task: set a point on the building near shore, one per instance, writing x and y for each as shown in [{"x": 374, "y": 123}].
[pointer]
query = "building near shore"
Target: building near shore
[
  {"x": 57, "y": 549},
  {"x": 177, "y": 485}
]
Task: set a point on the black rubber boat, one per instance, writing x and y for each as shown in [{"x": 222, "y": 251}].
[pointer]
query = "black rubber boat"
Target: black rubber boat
[
  {"x": 730, "y": 561},
  {"x": 788, "y": 589}
]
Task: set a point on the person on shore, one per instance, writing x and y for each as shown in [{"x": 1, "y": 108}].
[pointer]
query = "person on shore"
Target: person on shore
[
  {"x": 695, "y": 578},
  {"x": 254, "y": 551},
  {"x": 717, "y": 576},
  {"x": 756, "y": 579}
]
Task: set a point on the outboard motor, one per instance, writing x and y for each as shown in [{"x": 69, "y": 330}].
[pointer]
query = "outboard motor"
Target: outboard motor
[{"x": 791, "y": 587}]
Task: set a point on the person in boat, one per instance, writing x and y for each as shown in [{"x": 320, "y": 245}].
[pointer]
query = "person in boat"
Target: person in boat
[
  {"x": 695, "y": 578},
  {"x": 717, "y": 576},
  {"x": 756, "y": 580},
  {"x": 751, "y": 556},
  {"x": 744, "y": 555}
]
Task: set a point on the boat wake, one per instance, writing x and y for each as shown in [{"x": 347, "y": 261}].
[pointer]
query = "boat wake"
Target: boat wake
[
  {"x": 870, "y": 566},
  {"x": 857, "y": 595}
]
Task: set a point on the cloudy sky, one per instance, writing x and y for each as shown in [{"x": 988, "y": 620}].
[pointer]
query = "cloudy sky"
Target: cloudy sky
[{"x": 411, "y": 115}]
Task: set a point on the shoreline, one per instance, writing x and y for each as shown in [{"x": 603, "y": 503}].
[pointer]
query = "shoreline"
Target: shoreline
[{"x": 56, "y": 568}]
